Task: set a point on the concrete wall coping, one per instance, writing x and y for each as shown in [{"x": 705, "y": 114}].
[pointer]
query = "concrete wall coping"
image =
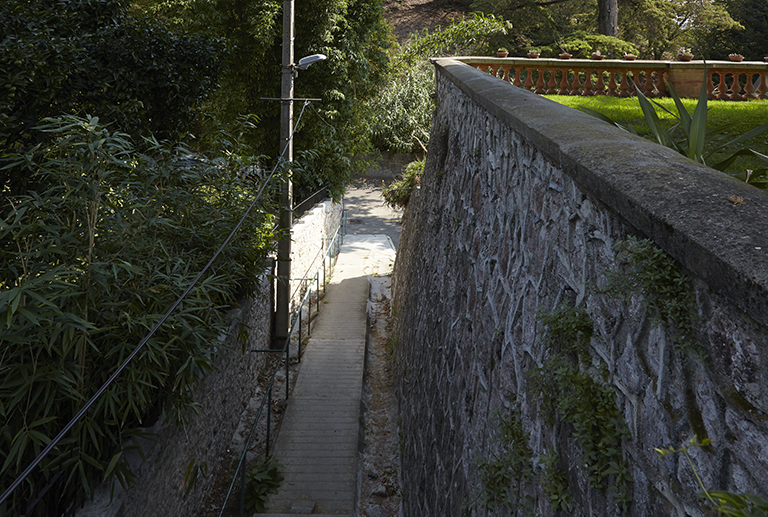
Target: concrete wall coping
[{"x": 683, "y": 206}]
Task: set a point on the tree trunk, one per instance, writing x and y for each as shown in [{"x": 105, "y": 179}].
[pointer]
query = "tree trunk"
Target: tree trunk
[{"x": 608, "y": 17}]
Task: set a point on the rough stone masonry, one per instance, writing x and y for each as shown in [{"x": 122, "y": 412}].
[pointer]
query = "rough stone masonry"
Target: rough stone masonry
[{"x": 520, "y": 208}]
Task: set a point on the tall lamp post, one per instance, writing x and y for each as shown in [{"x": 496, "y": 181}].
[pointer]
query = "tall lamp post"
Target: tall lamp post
[{"x": 283, "y": 293}]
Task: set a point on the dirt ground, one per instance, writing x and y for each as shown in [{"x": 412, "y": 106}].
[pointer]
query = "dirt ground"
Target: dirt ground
[
  {"x": 409, "y": 16},
  {"x": 380, "y": 459}
]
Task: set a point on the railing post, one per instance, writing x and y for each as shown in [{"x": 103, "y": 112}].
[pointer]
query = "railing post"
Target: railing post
[
  {"x": 269, "y": 415},
  {"x": 242, "y": 485},
  {"x": 287, "y": 371}
]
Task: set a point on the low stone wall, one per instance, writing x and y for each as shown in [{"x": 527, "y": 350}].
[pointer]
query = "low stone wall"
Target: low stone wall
[
  {"x": 222, "y": 397},
  {"x": 311, "y": 235},
  {"x": 520, "y": 208}
]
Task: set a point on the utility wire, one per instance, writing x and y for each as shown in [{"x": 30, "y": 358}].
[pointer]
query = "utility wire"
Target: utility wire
[{"x": 120, "y": 368}]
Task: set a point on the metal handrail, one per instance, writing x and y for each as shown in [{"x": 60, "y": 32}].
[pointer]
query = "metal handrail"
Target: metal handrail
[{"x": 296, "y": 322}]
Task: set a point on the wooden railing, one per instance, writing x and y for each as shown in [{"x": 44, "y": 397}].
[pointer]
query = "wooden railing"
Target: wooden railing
[{"x": 726, "y": 80}]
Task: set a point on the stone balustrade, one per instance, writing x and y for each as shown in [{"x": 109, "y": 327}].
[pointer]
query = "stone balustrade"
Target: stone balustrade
[{"x": 726, "y": 80}]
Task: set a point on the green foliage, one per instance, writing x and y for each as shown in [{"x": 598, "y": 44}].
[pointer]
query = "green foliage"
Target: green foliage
[
  {"x": 750, "y": 38},
  {"x": 354, "y": 36},
  {"x": 402, "y": 115},
  {"x": 695, "y": 136},
  {"x": 581, "y": 44},
  {"x": 91, "y": 57},
  {"x": 568, "y": 393},
  {"x": 569, "y": 329},
  {"x": 654, "y": 27},
  {"x": 540, "y": 24},
  {"x": 88, "y": 264},
  {"x": 398, "y": 193},
  {"x": 506, "y": 475},
  {"x": 262, "y": 480},
  {"x": 666, "y": 290},
  {"x": 473, "y": 34},
  {"x": 399, "y": 117},
  {"x": 724, "y": 503},
  {"x": 555, "y": 482}
]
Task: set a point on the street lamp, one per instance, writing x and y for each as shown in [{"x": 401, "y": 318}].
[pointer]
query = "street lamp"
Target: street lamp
[
  {"x": 306, "y": 61},
  {"x": 283, "y": 292}
]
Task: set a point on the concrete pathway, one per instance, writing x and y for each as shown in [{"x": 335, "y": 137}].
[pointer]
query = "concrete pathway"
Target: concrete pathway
[{"x": 320, "y": 435}]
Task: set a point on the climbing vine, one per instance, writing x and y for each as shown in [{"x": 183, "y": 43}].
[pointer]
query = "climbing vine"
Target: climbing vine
[
  {"x": 507, "y": 473},
  {"x": 570, "y": 391},
  {"x": 667, "y": 291}
]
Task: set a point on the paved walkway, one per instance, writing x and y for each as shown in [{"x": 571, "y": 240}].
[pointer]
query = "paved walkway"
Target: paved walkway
[{"x": 320, "y": 435}]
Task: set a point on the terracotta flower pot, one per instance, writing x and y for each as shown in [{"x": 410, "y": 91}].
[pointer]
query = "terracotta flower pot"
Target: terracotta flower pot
[
  {"x": 736, "y": 58},
  {"x": 597, "y": 56},
  {"x": 566, "y": 55},
  {"x": 630, "y": 57},
  {"x": 502, "y": 54},
  {"x": 533, "y": 56},
  {"x": 685, "y": 57}
]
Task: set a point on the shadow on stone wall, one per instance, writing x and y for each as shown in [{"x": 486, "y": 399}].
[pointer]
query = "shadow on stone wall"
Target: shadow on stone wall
[{"x": 521, "y": 207}]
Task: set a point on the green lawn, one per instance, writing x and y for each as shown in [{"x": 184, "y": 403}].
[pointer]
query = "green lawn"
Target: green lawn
[{"x": 740, "y": 117}]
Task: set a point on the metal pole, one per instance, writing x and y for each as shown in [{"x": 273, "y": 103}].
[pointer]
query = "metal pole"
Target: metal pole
[{"x": 282, "y": 313}]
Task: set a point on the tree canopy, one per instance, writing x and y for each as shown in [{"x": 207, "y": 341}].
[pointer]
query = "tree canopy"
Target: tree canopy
[
  {"x": 655, "y": 27},
  {"x": 354, "y": 36}
]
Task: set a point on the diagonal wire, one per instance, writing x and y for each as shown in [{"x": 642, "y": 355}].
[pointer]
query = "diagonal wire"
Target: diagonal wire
[{"x": 138, "y": 348}]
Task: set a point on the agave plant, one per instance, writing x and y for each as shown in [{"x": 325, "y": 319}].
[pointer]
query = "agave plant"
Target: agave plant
[{"x": 696, "y": 136}]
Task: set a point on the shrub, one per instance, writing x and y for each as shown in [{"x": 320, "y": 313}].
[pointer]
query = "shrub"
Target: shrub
[
  {"x": 398, "y": 194},
  {"x": 87, "y": 266}
]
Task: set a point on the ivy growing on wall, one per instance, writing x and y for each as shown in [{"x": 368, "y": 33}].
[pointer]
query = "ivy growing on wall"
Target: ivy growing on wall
[
  {"x": 507, "y": 473},
  {"x": 667, "y": 291},
  {"x": 572, "y": 393}
]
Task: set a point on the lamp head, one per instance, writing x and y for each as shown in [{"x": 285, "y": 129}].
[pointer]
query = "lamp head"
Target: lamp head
[{"x": 306, "y": 61}]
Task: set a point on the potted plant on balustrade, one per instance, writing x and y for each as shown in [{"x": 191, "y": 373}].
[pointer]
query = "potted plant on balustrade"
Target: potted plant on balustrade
[
  {"x": 630, "y": 57},
  {"x": 502, "y": 52},
  {"x": 736, "y": 57},
  {"x": 533, "y": 53},
  {"x": 597, "y": 55},
  {"x": 564, "y": 53},
  {"x": 684, "y": 54}
]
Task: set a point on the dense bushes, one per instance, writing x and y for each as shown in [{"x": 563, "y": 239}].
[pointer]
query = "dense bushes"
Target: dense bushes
[
  {"x": 90, "y": 57},
  {"x": 88, "y": 265}
]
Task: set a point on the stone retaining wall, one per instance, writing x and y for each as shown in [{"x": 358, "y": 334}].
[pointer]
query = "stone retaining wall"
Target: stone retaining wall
[
  {"x": 222, "y": 397},
  {"x": 312, "y": 234},
  {"x": 520, "y": 208}
]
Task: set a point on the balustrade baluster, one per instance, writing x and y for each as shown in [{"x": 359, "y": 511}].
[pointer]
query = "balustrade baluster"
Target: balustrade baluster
[
  {"x": 588, "y": 83},
  {"x": 505, "y": 77},
  {"x": 647, "y": 88},
  {"x": 528, "y": 79},
  {"x": 612, "y": 84},
  {"x": 749, "y": 89},
  {"x": 710, "y": 86},
  {"x": 735, "y": 87},
  {"x": 540, "y": 83},
  {"x": 517, "y": 77},
  {"x": 552, "y": 82},
  {"x": 564, "y": 83},
  {"x": 576, "y": 84},
  {"x": 600, "y": 85},
  {"x": 762, "y": 88},
  {"x": 722, "y": 88},
  {"x": 624, "y": 86}
]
